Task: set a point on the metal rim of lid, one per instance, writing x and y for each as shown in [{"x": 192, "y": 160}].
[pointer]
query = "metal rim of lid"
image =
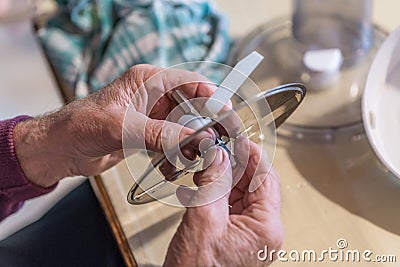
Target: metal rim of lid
[{"x": 299, "y": 91}]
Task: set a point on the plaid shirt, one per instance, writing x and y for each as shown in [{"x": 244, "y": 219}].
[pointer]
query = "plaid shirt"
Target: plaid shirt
[{"x": 90, "y": 42}]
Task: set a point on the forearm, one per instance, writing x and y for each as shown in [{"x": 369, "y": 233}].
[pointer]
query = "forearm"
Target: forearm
[
  {"x": 33, "y": 147},
  {"x": 15, "y": 187}
]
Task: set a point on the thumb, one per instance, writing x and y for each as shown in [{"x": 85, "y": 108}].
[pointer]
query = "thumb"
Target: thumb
[{"x": 210, "y": 202}]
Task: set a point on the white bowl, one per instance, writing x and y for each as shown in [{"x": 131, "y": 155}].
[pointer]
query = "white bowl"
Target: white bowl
[{"x": 381, "y": 103}]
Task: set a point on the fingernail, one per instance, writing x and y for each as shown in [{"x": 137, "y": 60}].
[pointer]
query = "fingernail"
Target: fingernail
[
  {"x": 185, "y": 195},
  {"x": 219, "y": 157}
]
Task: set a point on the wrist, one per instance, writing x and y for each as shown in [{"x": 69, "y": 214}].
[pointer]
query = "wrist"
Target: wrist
[
  {"x": 191, "y": 247},
  {"x": 35, "y": 152}
]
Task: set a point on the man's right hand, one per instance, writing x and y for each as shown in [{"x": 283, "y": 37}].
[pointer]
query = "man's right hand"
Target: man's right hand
[{"x": 230, "y": 231}]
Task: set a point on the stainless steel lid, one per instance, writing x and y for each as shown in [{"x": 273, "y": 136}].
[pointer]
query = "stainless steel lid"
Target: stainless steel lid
[{"x": 259, "y": 116}]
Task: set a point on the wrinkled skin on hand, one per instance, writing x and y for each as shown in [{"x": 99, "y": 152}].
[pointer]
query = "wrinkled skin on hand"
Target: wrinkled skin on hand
[
  {"x": 85, "y": 137},
  {"x": 219, "y": 235}
]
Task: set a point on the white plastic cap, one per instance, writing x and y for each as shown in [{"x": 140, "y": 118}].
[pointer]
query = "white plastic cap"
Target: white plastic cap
[
  {"x": 324, "y": 65},
  {"x": 325, "y": 60}
]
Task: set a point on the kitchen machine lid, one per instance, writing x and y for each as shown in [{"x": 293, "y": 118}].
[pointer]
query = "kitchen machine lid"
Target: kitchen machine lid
[{"x": 381, "y": 103}]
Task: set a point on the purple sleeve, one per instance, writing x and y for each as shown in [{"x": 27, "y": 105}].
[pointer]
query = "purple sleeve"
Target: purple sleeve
[{"x": 15, "y": 188}]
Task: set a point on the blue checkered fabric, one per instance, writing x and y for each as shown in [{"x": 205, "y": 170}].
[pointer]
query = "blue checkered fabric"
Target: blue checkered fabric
[{"x": 91, "y": 42}]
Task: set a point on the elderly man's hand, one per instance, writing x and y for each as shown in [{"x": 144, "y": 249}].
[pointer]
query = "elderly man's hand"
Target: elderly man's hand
[
  {"x": 231, "y": 230},
  {"x": 85, "y": 137}
]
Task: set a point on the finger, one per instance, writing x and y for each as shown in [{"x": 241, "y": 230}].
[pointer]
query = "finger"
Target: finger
[
  {"x": 147, "y": 86},
  {"x": 160, "y": 87},
  {"x": 114, "y": 159},
  {"x": 255, "y": 161},
  {"x": 215, "y": 184},
  {"x": 162, "y": 135},
  {"x": 267, "y": 196},
  {"x": 269, "y": 192},
  {"x": 166, "y": 137},
  {"x": 191, "y": 83},
  {"x": 230, "y": 123},
  {"x": 265, "y": 208},
  {"x": 185, "y": 195},
  {"x": 212, "y": 157}
]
